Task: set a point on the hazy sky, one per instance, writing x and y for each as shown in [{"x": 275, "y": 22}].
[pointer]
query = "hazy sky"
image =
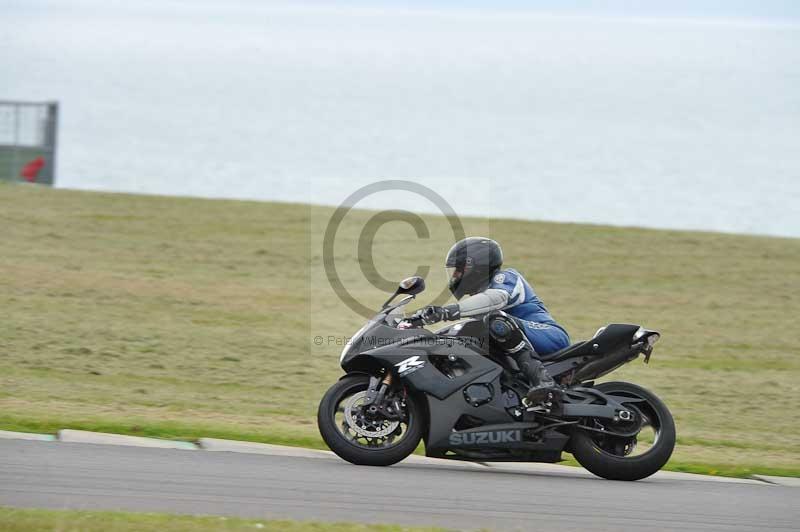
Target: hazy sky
[
  {"x": 670, "y": 120},
  {"x": 673, "y": 8},
  {"x": 764, "y": 9}
]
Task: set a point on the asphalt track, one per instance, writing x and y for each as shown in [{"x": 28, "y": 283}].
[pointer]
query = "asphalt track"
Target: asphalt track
[{"x": 112, "y": 477}]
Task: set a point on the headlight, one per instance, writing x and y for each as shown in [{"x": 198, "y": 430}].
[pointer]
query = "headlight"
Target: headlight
[
  {"x": 354, "y": 340},
  {"x": 345, "y": 350}
]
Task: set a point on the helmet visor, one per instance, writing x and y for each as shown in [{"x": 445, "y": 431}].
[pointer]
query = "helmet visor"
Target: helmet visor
[{"x": 455, "y": 276}]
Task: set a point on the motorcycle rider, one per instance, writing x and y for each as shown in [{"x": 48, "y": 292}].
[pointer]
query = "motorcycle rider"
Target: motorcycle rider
[{"x": 517, "y": 320}]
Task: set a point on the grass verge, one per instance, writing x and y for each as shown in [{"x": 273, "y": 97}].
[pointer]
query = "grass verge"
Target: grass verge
[
  {"x": 24, "y": 520},
  {"x": 182, "y": 318}
]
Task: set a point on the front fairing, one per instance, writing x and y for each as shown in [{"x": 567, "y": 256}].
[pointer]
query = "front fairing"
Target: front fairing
[
  {"x": 377, "y": 335},
  {"x": 365, "y": 338},
  {"x": 354, "y": 343}
]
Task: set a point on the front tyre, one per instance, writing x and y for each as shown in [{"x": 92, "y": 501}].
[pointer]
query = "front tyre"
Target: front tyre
[
  {"x": 362, "y": 439},
  {"x": 644, "y": 449}
]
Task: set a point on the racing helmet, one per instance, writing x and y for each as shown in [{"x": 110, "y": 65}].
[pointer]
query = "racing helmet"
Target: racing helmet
[{"x": 471, "y": 263}]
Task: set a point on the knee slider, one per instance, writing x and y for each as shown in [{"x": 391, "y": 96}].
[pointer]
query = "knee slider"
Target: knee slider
[{"x": 505, "y": 331}]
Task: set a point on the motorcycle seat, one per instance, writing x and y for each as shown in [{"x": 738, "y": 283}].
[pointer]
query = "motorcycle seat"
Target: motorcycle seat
[
  {"x": 604, "y": 340},
  {"x": 568, "y": 352}
]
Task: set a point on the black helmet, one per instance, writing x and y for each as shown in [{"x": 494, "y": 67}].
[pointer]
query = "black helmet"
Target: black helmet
[{"x": 471, "y": 263}]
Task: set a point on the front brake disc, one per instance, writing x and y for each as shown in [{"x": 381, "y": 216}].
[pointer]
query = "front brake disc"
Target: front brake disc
[{"x": 356, "y": 423}]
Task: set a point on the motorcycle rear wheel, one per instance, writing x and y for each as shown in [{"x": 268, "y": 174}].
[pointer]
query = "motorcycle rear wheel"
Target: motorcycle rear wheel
[
  {"x": 351, "y": 441},
  {"x": 612, "y": 458}
]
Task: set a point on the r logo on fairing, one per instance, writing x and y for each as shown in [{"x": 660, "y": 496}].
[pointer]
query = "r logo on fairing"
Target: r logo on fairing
[{"x": 410, "y": 364}]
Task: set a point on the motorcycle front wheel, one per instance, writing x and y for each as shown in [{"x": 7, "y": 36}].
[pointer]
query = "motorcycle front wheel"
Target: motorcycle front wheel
[
  {"x": 648, "y": 440},
  {"x": 362, "y": 438}
]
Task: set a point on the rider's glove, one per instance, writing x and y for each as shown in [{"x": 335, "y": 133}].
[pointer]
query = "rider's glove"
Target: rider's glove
[{"x": 432, "y": 313}]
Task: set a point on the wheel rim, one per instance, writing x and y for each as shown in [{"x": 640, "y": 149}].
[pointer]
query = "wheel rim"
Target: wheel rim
[
  {"x": 364, "y": 430},
  {"x": 646, "y": 424}
]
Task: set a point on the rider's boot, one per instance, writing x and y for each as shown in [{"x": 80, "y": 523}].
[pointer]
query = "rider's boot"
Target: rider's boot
[{"x": 543, "y": 388}]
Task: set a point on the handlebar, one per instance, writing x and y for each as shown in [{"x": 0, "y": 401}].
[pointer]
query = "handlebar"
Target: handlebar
[{"x": 415, "y": 320}]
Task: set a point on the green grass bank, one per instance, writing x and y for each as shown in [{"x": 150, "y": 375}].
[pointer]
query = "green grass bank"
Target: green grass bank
[
  {"x": 19, "y": 520},
  {"x": 182, "y": 318}
]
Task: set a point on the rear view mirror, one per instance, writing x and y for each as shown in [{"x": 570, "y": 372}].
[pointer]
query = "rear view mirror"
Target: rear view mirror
[{"x": 411, "y": 285}]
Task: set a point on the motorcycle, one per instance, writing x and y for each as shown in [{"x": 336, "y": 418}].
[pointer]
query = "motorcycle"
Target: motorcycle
[{"x": 404, "y": 383}]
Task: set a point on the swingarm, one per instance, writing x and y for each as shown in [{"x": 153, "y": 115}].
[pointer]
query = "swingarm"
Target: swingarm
[{"x": 590, "y": 402}]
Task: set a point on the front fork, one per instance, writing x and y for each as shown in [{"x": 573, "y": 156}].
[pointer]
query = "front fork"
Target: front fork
[{"x": 376, "y": 403}]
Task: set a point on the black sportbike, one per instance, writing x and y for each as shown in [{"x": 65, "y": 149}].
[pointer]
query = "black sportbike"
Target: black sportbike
[{"x": 404, "y": 383}]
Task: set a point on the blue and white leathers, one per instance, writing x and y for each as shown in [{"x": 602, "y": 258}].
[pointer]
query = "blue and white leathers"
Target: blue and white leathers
[
  {"x": 539, "y": 326},
  {"x": 510, "y": 292}
]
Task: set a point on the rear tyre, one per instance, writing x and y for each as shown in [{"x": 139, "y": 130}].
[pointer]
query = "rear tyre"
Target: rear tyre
[
  {"x": 366, "y": 441},
  {"x": 612, "y": 457}
]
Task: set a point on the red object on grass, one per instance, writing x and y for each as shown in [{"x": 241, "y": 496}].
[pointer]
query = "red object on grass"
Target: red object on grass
[{"x": 31, "y": 169}]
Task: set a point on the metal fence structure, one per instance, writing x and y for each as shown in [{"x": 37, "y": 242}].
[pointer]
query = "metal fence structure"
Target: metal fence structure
[{"x": 28, "y": 134}]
